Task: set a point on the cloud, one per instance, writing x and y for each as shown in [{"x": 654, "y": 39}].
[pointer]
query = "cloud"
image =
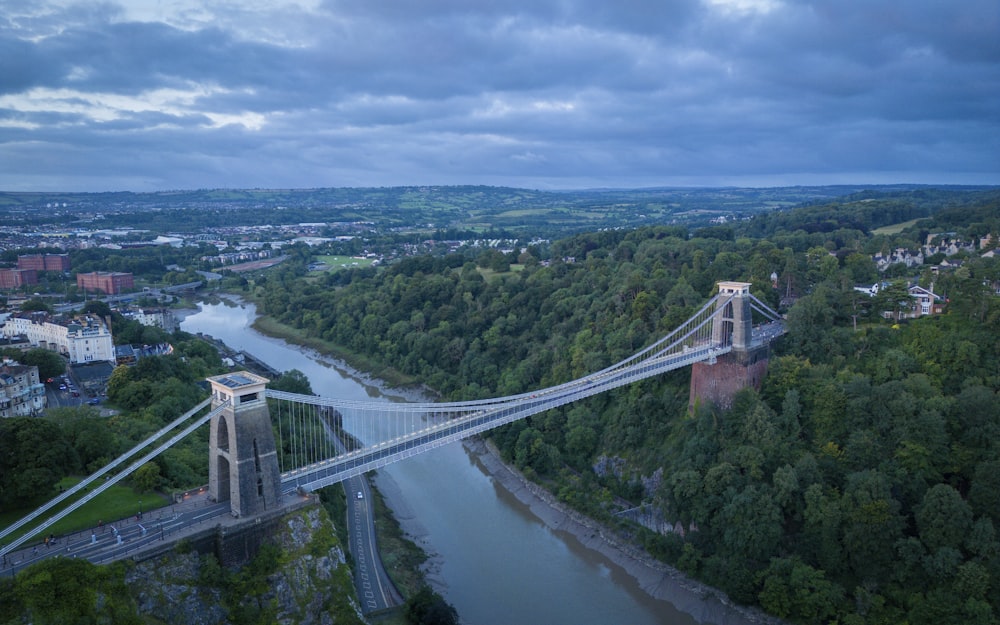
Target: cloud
[{"x": 305, "y": 93}]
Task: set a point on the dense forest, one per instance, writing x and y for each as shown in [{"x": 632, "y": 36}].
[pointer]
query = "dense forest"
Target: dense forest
[{"x": 859, "y": 485}]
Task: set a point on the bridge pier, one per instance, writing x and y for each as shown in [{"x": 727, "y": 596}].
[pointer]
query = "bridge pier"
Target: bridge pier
[
  {"x": 744, "y": 366},
  {"x": 718, "y": 383},
  {"x": 243, "y": 460}
]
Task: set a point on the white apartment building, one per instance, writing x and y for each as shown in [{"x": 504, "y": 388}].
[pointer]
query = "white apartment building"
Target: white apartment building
[
  {"x": 82, "y": 339},
  {"x": 157, "y": 317},
  {"x": 21, "y": 392}
]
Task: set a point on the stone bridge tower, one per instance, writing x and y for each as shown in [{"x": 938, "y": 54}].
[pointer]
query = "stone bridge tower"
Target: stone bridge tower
[
  {"x": 745, "y": 365},
  {"x": 243, "y": 461}
]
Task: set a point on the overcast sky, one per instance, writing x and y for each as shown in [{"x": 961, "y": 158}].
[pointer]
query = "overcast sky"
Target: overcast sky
[{"x": 554, "y": 94}]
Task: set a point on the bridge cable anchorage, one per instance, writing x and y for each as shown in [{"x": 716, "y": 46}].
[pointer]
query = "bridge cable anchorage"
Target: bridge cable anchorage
[{"x": 111, "y": 480}]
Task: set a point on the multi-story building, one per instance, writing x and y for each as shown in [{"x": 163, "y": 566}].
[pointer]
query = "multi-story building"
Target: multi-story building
[
  {"x": 926, "y": 302},
  {"x": 21, "y": 392},
  {"x": 158, "y": 317},
  {"x": 82, "y": 339},
  {"x": 46, "y": 262},
  {"x": 13, "y": 342},
  {"x": 109, "y": 282},
  {"x": 16, "y": 278}
]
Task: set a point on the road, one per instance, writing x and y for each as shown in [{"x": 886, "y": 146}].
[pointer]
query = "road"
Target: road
[
  {"x": 375, "y": 590},
  {"x": 123, "y": 537}
]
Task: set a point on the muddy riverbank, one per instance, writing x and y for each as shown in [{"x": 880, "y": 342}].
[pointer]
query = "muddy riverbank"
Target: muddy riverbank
[{"x": 704, "y": 603}]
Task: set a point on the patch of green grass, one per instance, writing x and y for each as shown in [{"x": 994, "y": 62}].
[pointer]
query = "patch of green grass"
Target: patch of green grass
[
  {"x": 895, "y": 228},
  {"x": 118, "y": 502},
  {"x": 489, "y": 274},
  {"x": 524, "y": 212},
  {"x": 336, "y": 263}
]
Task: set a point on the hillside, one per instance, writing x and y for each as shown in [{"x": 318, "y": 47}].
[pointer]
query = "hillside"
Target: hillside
[{"x": 855, "y": 486}]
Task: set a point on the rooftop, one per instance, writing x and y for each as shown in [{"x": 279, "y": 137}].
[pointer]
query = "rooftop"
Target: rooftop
[{"x": 239, "y": 379}]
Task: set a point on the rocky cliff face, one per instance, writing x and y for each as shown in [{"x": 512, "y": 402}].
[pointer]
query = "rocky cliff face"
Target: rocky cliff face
[{"x": 299, "y": 577}]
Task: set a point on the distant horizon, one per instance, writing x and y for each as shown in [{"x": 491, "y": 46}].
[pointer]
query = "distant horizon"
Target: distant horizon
[{"x": 514, "y": 187}]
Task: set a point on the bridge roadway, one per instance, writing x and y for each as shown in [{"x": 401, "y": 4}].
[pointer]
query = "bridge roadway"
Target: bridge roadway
[
  {"x": 194, "y": 513},
  {"x": 517, "y": 407},
  {"x": 480, "y": 416}
]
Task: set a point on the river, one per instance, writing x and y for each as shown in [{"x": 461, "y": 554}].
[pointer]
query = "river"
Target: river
[{"x": 491, "y": 557}]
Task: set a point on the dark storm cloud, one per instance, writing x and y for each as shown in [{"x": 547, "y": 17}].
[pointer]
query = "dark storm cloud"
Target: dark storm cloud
[{"x": 560, "y": 93}]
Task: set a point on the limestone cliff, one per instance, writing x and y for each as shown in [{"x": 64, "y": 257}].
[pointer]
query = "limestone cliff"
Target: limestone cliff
[{"x": 299, "y": 576}]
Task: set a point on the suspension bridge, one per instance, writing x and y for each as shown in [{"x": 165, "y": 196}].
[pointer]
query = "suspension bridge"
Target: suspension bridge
[{"x": 265, "y": 444}]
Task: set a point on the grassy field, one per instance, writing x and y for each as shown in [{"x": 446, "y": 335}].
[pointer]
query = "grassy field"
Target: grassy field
[
  {"x": 895, "y": 228},
  {"x": 489, "y": 274},
  {"x": 336, "y": 263},
  {"x": 118, "y": 502}
]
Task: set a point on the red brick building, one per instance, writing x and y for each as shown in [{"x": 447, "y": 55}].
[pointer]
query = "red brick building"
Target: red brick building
[
  {"x": 110, "y": 282},
  {"x": 16, "y": 278},
  {"x": 47, "y": 262}
]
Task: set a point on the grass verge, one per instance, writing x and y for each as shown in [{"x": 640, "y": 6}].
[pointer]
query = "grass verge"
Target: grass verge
[{"x": 118, "y": 502}]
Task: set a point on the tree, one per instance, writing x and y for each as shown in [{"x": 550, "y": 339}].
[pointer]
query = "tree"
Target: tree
[
  {"x": 121, "y": 377},
  {"x": 50, "y": 364},
  {"x": 751, "y": 523},
  {"x": 944, "y": 518},
  {"x": 429, "y": 608},
  {"x": 823, "y": 521},
  {"x": 90, "y": 435},
  {"x": 146, "y": 477},
  {"x": 795, "y": 590},
  {"x": 893, "y": 298},
  {"x": 873, "y": 524},
  {"x": 809, "y": 326},
  {"x": 35, "y": 304},
  {"x": 97, "y": 307},
  {"x": 70, "y": 590},
  {"x": 292, "y": 381},
  {"x": 984, "y": 494},
  {"x": 34, "y": 455}
]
